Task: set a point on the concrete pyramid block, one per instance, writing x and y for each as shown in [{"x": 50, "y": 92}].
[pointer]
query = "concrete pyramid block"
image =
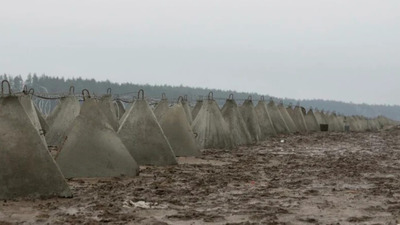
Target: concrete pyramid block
[
  {"x": 320, "y": 117},
  {"x": 298, "y": 118},
  {"x": 250, "y": 118},
  {"x": 144, "y": 137},
  {"x": 211, "y": 129},
  {"x": 264, "y": 119},
  {"x": 92, "y": 147},
  {"x": 107, "y": 107},
  {"x": 61, "y": 118},
  {"x": 178, "y": 131},
  {"x": 311, "y": 121},
  {"x": 186, "y": 107},
  {"x": 161, "y": 107},
  {"x": 277, "y": 119},
  {"x": 29, "y": 108},
  {"x": 26, "y": 166},
  {"x": 42, "y": 120},
  {"x": 288, "y": 119},
  {"x": 236, "y": 125},
  {"x": 119, "y": 109},
  {"x": 197, "y": 107},
  {"x": 334, "y": 124}
]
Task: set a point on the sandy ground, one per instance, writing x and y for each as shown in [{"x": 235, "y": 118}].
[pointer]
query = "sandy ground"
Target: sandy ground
[{"x": 324, "y": 178}]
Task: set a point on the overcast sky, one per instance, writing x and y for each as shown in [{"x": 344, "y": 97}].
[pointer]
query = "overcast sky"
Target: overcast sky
[{"x": 346, "y": 50}]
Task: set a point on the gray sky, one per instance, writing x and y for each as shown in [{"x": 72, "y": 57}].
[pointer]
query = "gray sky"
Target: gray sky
[{"x": 345, "y": 50}]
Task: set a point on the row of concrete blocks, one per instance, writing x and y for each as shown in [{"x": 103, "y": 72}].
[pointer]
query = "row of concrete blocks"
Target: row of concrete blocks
[
  {"x": 99, "y": 139},
  {"x": 246, "y": 124}
]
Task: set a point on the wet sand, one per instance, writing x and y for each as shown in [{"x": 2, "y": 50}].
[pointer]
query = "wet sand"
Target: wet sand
[{"x": 322, "y": 178}]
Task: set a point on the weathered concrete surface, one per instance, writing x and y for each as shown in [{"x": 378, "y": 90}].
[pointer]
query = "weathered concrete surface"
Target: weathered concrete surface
[
  {"x": 277, "y": 119},
  {"x": 196, "y": 109},
  {"x": 236, "y": 125},
  {"x": 92, "y": 147},
  {"x": 161, "y": 108},
  {"x": 119, "y": 109},
  {"x": 123, "y": 118},
  {"x": 334, "y": 123},
  {"x": 287, "y": 118},
  {"x": 363, "y": 123},
  {"x": 178, "y": 131},
  {"x": 340, "y": 121},
  {"x": 211, "y": 129},
  {"x": 26, "y": 166},
  {"x": 298, "y": 118},
  {"x": 353, "y": 123},
  {"x": 311, "y": 121},
  {"x": 251, "y": 120},
  {"x": 144, "y": 138},
  {"x": 42, "y": 120},
  {"x": 186, "y": 107},
  {"x": 265, "y": 122},
  {"x": 107, "y": 107},
  {"x": 373, "y": 124},
  {"x": 29, "y": 108},
  {"x": 60, "y": 119},
  {"x": 320, "y": 117}
]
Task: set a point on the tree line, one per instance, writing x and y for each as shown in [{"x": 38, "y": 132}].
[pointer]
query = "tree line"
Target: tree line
[{"x": 56, "y": 85}]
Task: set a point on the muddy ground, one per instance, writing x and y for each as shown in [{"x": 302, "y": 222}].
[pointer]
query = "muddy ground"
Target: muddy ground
[{"x": 322, "y": 178}]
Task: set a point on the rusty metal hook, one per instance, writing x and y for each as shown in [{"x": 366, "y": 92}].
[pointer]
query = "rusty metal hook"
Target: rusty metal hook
[
  {"x": 180, "y": 99},
  {"x": 71, "y": 90},
  {"x": 83, "y": 93},
  {"x": 230, "y": 96},
  {"x": 250, "y": 98},
  {"x": 25, "y": 89},
  {"x": 211, "y": 96},
  {"x": 141, "y": 91},
  {"x": 2, "y": 87}
]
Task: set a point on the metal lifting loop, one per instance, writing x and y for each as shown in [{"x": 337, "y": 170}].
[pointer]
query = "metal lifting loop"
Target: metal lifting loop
[
  {"x": 180, "y": 99},
  {"x": 2, "y": 87},
  {"x": 25, "y": 89},
  {"x": 163, "y": 96},
  {"x": 230, "y": 97},
  {"x": 141, "y": 91},
  {"x": 109, "y": 91},
  {"x": 250, "y": 98},
  {"x": 71, "y": 90},
  {"x": 31, "y": 91},
  {"x": 262, "y": 98},
  {"x": 211, "y": 96},
  {"x": 83, "y": 93},
  {"x": 185, "y": 97}
]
